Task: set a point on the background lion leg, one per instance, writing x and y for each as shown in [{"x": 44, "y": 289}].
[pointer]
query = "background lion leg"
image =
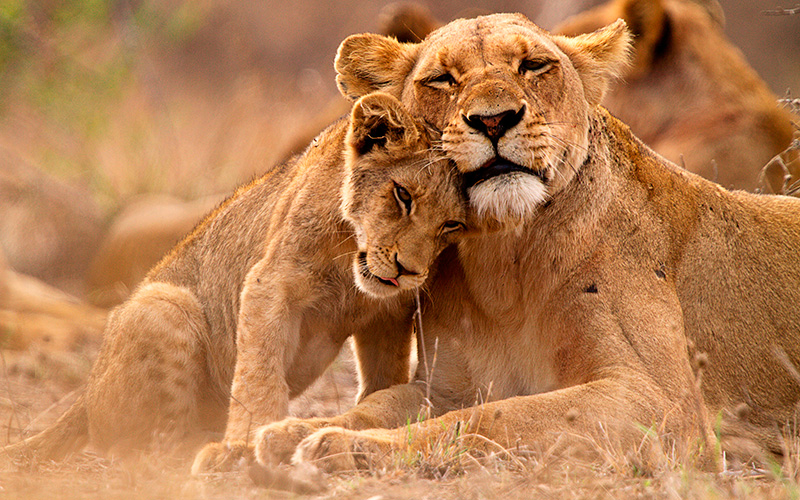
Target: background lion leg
[
  {"x": 601, "y": 415},
  {"x": 144, "y": 387}
]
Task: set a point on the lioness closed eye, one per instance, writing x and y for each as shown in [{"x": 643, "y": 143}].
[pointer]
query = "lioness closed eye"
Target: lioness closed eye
[{"x": 257, "y": 301}]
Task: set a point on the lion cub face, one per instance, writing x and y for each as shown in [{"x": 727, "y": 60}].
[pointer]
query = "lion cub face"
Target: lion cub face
[
  {"x": 511, "y": 100},
  {"x": 401, "y": 195}
]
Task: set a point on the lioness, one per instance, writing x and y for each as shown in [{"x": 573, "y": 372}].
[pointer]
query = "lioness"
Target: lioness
[
  {"x": 256, "y": 302},
  {"x": 580, "y": 319}
]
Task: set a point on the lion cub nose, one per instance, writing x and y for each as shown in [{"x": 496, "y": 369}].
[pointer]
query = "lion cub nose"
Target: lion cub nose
[
  {"x": 494, "y": 126},
  {"x": 401, "y": 269}
]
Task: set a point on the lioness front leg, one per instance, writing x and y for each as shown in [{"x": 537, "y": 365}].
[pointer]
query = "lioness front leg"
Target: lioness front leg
[
  {"x": 389, "y": 408},
  {"x": 605, "y": 412}
]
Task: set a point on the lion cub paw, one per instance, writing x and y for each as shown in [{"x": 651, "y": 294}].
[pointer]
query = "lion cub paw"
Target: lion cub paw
[
  {"x": 221, "y": 457},
  {"x": 335, "y": 449},
  {"x": 275, "y": 443}
]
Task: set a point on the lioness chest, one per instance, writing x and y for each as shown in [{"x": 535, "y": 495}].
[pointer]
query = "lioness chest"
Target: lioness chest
[{"x": 492, "y": 334}]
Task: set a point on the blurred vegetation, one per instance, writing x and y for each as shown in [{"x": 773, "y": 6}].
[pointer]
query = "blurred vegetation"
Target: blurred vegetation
[{"x": 66, "y": 68}]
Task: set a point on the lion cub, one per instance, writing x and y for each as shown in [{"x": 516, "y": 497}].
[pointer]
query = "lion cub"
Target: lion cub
[{"x": 251, "y": 307}]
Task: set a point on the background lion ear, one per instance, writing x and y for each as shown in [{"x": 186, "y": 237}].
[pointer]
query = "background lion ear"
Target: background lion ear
[
  {"x": 407, "y": 21},
  {"x": 648, "y": 23},
  {"x": 380, "y": 120},
  {"x": 598, "y": 57},
  {"x": 368, "y": 62}
]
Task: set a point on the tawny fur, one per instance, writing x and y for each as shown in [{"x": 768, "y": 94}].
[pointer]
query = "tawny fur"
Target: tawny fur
[
  {"x": 583, "y": 321},
  {"x": 33, "y": 313},
  {"x": 49, "y": 228},
  {"x": 256, "y": 302},
  {"x": 137, "y": 239}
]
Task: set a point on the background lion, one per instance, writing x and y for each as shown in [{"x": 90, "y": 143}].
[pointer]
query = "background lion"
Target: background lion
[{"x": 689, "y": 93}]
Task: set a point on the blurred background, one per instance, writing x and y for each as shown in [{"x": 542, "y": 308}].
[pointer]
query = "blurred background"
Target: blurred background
[{"x": 102, "y": 101}]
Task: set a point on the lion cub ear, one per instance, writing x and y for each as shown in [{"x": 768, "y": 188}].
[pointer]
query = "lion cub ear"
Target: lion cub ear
[
  {"x": 368, "y": 62},
  {"x": 379, "y": 120},
  {"x": 598, "y": 56}
]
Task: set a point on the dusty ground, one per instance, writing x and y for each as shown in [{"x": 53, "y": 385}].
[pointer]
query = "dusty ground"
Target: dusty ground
[{"x": 37, "y": 385}]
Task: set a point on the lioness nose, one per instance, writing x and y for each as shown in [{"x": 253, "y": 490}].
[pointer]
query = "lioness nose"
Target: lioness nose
[{"x": 495, "y": 126}]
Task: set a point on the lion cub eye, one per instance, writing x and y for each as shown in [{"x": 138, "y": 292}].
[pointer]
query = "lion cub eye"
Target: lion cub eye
[
  {"x": 443, "y": 81},
  {"x": 403, "y": 197},
  {"x": 534, "y": 66}
]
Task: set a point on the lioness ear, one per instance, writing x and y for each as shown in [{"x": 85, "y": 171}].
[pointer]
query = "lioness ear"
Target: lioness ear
[
  {"x": 367, "y": 63},
  {"x": 598, "y": 56},
  {"x": 379, "y": 120}
]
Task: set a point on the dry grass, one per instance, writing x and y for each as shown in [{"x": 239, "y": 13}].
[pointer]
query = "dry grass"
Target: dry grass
[
  {"x": 781, "y": 175},
  {"x": 36, "y": 388}
]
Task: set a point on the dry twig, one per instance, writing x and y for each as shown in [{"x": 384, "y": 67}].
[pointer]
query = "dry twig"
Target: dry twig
[{"x": 780, "y": 11}]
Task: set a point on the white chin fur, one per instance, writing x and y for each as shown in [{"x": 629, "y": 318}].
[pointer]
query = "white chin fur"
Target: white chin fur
[{"x": 510, "y": 196}]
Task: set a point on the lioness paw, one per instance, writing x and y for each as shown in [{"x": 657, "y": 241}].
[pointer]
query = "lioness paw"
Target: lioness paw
[
  {"x": 275, "y": 443},
  {"x": 221, "y": 457},
  {"x": 336, "y": 449}
]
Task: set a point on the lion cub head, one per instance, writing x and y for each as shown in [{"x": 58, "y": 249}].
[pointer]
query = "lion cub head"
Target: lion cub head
[
  {"x": 512, "y": 101},
  {"x": 402, "y": 196}
]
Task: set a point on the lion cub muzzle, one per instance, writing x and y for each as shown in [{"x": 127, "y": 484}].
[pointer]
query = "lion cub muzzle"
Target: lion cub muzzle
[{"x": 387, "y": 270}]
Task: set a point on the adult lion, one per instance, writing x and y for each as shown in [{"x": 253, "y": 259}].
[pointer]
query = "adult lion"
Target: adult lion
[{"x": 608, "y": 271}]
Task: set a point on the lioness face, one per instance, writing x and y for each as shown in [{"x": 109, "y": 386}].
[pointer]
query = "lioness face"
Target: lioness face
[
  {"x": 402, "y": 197},
  {"x": 511, "y": 100}
]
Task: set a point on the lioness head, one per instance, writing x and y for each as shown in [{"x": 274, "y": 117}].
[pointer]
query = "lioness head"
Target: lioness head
[
  {"x": 512, "y": 101},
  {"x": 402, "y": 196}
]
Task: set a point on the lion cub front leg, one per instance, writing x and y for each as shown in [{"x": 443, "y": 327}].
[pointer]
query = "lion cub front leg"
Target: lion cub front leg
[{"x": 268, "y": 335}]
